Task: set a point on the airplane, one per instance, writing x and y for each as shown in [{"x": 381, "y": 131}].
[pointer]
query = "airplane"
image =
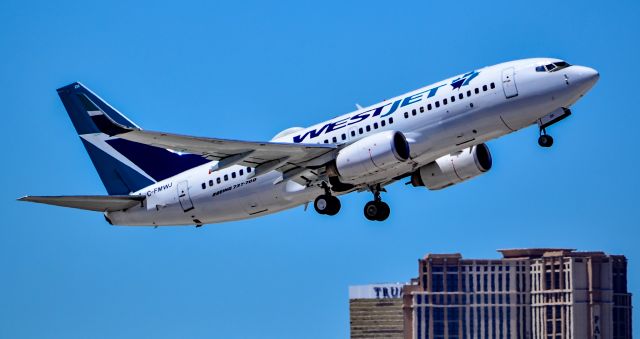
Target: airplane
[{"x": 432, "y": 137}]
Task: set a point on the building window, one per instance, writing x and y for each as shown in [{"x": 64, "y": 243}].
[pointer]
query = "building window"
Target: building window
[
  {"x": 437, "y": 283},
  {"x": 452, "y": 282}
]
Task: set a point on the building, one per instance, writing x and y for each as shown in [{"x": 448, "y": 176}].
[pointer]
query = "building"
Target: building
[
  {"x": 529, "y": 293},
  {"x": 376, "y": 311},
  {"x": 540, "y": 293}
]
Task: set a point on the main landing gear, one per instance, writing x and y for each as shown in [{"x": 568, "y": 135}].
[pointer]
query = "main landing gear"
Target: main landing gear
[
  {"x": 376, "y": 210},
  {"x": 327, "y": 203},
  {"x": 545, "y": 140}
]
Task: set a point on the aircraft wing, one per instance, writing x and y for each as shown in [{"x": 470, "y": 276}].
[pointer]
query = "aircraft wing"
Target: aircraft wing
[
  {"x": 264, "y": 156},
  {"x": 99, "y": 203}
]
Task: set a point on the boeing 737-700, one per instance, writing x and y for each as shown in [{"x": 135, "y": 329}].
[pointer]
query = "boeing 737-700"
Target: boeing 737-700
[{"x": 432, "y": 137}]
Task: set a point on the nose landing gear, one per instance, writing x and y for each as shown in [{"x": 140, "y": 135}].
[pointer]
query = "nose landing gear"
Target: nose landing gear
[
  {"x": 376, "y": 210},
  {"x": 545, "y": 140}
]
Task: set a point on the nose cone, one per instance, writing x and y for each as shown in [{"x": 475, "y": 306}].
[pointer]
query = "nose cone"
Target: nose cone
[{"x": 586, "y": 77}]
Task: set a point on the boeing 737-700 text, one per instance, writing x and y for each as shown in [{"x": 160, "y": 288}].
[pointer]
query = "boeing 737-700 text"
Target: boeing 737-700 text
[{"x": 434, "y": 137}]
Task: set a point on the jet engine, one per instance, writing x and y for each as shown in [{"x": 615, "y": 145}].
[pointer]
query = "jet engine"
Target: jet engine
[
  {"x": 369, "y": 155},
  {"x": 453, "y": 168}
]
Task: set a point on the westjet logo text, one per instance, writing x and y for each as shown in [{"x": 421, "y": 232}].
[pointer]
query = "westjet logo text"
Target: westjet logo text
[{"x": 383, "y": 110}]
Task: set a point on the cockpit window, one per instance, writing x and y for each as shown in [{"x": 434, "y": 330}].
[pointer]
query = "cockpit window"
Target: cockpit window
[{"x": 553, "y": 67}]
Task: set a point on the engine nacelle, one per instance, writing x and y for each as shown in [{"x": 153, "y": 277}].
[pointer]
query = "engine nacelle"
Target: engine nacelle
[
  {"x": 370, "y": 155},
  {"x": 452, "y": 169}
]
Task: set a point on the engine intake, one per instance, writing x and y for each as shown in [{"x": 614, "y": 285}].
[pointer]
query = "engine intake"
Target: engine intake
[
  {"x": 453, "y": 168},
  {"x": 372, "y": 154}
]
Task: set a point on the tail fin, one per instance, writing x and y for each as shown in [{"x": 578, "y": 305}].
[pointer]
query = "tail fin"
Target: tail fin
[{"x": 123, "y": 166}]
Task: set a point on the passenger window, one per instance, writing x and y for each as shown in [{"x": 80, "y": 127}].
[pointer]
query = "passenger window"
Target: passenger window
[
  {"x": 437, "y": 103},
  {"x": 241, "y": 172},
  {"x": 421, "y": 109},
  {"x": 406, "y": 115},
  {"x": 429, "y": 107},
  {"x": 204, "y": 185},
  {"x": 383, "y": 123},
  {"x": 360, "y": 130},
  {"x": 460, "y": 96},
  {"x": 444, "y": 101},
  {"x": 210, "y": 182},
  {"x": 484, "y": 88},
  {"x": 248, "y": 169},
  {"x": 468, "y": 93},
  {"x": 390, "y": 121},
  {"x": 218, "y": 180},
  {"x": 335, "y": 140},
  {"x": 226, "y": 177},
  {"x": 477, "y": 90},
  {"x": 353, "y": 133},
  {"x": 375, "y": 125},
  {"x": 233, "y": 175},
  {"x": 413, "y": 112},
  {"x": 493, "y": 85},
  {"x": 344, "y": 136},
  {"x": 453, "y": 98},
  {"x": 326, "y": 141},
  {"x": 368, "y": 128}
]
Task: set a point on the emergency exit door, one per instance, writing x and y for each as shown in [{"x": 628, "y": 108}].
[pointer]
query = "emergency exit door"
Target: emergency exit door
[{"x": 509, "y": 83}]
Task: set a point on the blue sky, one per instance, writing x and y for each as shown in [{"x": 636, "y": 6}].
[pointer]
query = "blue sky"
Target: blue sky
[{"x": 247, "y": 70}]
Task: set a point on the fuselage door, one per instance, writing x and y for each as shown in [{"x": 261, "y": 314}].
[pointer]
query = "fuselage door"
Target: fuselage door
[
  {"x": 509, "y": 82},
  {"x": 183, "y": 196}
]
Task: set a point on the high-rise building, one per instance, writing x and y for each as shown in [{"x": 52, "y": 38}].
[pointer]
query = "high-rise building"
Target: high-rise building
[
  {"x": 529, "y": 293},
  {"x": 375, "y": 311}
]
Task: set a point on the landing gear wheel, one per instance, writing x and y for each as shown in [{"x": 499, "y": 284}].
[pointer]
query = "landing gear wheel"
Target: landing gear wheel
[
  {"x": 371, "y": 210},
  {"x": 384, "y": 211},
  {"x": 327, "y": 204},
  {"x": 545, "y": 140},
  {"x": 376, "y": 211}
]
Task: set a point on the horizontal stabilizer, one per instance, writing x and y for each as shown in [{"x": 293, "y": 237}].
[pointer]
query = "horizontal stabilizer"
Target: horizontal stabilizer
[{"x": 99, "y": 203}]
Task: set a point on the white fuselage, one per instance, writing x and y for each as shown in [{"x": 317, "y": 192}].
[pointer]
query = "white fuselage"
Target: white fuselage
[{"x": 489, "y": 103}]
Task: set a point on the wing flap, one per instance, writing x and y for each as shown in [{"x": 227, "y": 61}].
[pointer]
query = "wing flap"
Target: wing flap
[{"x": 99, "y": 203}]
